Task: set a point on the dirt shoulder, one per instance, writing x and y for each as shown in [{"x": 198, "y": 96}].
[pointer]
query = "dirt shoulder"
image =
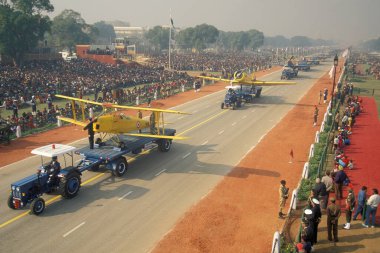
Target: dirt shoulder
[
  {"x": 21, "y": 148},
  {"x": 240, "y": 214}
]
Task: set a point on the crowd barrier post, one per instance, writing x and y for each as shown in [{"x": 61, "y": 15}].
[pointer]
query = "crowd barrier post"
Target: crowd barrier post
[
  {"x": 18, "y": 131},
  {"x": 322, "y": 126},
  {"x": 317, "y": 137},
  {"x": 59, "y": 122},
  {"x": 305, "y": 172},
  {"x": 311, "y": 153},
  {"x": 293, "y": 202},
  {"x": 276, "y": 243}
]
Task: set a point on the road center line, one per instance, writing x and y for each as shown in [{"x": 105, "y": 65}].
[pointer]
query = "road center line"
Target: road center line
[
  {"x": 180, "y": 117},
  {"x": 221, "y": 132},
  {"x": 204, "y": 143},
  {"x": 245, "y": 116},
  {"x": 72, "y": 230},
  {"x": 233, "y": 124},
  {"x": 186, "y": 155},
  {"x": 125, "y": 195},
  {"x": 159, "y": 173}
]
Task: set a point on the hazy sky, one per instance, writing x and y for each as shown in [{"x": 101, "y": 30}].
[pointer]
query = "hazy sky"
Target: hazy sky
[{"x": 344, "y": 20}]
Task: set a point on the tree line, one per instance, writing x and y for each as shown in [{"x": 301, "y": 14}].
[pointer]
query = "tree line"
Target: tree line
[{"x": 24, "y": 24}]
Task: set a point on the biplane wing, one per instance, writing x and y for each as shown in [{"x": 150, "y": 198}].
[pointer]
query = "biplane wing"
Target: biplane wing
[
  {"x": 110, "y": 105},
  {"x": 158, "y": 136},
  {"x": 246, "y": 80},
  {"x": 76, "y": 122}
]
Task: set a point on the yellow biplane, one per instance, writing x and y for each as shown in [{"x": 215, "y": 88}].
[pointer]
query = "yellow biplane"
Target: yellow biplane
[
  {"x": 236, "y": 95},
  {"x": 116, "y": 123},
  {"x": 241, "y": 77}
]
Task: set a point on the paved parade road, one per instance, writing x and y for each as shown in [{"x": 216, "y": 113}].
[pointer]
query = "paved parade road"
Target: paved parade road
[{"x": 131, "y": 214}]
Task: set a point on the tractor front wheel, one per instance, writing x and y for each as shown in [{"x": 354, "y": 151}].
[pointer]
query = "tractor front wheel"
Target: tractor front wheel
[
  {"x": 37, "y": 206},
  {"x": 10, "y": 202}
]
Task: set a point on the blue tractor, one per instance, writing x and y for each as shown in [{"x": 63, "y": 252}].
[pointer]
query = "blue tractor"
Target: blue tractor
[
  {"x": 231, "y": 100},
  {"x": 66, "y": 181},
  {"x": 289, "y": 73}
]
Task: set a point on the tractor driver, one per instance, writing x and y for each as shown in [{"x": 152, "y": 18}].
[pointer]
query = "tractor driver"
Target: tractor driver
[{"x": 54, "y": 169}]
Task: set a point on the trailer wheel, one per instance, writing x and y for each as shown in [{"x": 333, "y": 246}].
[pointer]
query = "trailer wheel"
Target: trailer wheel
[
  {"x": 222, "y": 106},
  {"x": 69, "y": 186},
  {"x": 10, "y": 202},
  {"x": 164, "y": 145},
  {"x": 258, "y": 93},
  {"x": 37, "y": 206},
  {"x": 120, "y": 167}
]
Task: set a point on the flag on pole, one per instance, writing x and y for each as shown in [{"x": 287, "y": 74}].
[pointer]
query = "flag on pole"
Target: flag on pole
[{"x": 331, "y": 72}]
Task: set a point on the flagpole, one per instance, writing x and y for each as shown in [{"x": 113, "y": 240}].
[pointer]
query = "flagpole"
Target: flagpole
[{"x": 170, "y": 37}]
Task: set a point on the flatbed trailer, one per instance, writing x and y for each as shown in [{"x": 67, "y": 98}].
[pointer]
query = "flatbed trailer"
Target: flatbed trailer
[{"x": 112, "y": 157}]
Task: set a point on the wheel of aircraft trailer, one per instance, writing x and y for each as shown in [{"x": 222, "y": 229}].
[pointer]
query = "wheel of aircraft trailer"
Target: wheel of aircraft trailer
[
  {"x": 164, "y": 145},
  {"x": 222, "y": 106},
  {"x": 120, "y": 167}
]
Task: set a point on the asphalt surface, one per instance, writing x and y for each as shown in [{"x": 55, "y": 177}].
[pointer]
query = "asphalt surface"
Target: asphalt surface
[{"x": 132, "y": 213}]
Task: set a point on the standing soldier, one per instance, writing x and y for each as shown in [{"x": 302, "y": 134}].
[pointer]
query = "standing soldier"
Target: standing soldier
[
  {"x": 320, "y": 96},
  {"x": 350, "y": 205},
  {"x": 325, "y": 93},
  {"x": 90, "y": 130},
  {"x": 315, "y": 115},
  {"x": 283, "y": 191},
  {"x": 316, "y": 218},
  {"x": 139, "y": 115},
  {"x": 333, "y": 213}
]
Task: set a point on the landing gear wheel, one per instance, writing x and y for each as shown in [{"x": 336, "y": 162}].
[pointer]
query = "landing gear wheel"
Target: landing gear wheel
[
  {"x": 98, "y": 141},
  {"x": 37, "y": 206},
  {"x": 122, "y": 145},
  {"x": 222, "y": 106},
  {"x": 10, "y": 202},
  {"x": 120, "y": 167},
  {"x": 164, "y": 145},
  {"x": 70, "y": 185}
]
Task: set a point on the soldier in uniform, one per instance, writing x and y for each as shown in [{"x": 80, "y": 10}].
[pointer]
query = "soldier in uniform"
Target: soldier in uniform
[
  {"x": 90, "y": 130},
  {"x": 350, "y": 205},
  {"x": 333, "y": 213},
  {"x": 316, "y": 218},
  {"x": 283, "y": 191}
]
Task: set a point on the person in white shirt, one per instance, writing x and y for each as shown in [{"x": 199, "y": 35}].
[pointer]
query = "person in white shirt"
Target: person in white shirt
[{"x": 372, "y": 204}]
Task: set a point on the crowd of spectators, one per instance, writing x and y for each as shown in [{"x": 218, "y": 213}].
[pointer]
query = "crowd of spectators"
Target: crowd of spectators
[
  {"x": 38, "y": 82},
  {"x": 227, "y": 62},
  {"x": 334, "y": 179}
]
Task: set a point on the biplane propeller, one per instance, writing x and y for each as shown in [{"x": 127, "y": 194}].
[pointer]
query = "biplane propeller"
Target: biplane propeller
[{"x": 117, "y": 123}]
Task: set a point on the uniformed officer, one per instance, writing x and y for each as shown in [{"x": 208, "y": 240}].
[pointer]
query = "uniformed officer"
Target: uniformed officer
[
  {"x": 333, "y": 213},
  {"x": 140, "y": 116},
  {"x": 53, "y": 171},
  {"x": 90, "y": 131},
  {"x": 283, "y": 191},
  {"x": 316, "y": 218}
]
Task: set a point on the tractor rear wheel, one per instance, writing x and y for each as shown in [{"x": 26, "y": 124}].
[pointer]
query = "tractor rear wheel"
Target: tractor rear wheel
[
  {"x": 69, "y": 186},
  {"x": 120, "y": 167},
  {"x": 37, "y": 206}
]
